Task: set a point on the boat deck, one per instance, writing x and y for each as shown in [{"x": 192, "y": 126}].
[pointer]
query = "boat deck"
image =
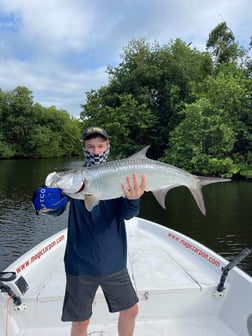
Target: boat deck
[
  {"x": 181, "y": 327},
  {"x": 175, "y": 292}
]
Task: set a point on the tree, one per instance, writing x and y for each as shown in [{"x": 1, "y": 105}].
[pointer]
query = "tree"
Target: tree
[
  {"x": 16, "y": 117},
  {"x": 128, "y": 124},
  {"x": 31, "y": 130},
  {"x": 221, "y": 43},
  {"x": 54, "y": 133},
  {"x": 159, "y": 78},
  {"x": 203, "y": 140},
  {"x": 5, "y": 150},
  {"x": 215, "y": 135}
]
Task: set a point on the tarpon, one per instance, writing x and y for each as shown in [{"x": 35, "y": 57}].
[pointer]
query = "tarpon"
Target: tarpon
[{"x": 104, "y": 181}]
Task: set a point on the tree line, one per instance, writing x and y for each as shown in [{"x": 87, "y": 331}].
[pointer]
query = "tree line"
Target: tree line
[
  {"x": 192, "y": 107},
  {"x": 29, "y": 130}
]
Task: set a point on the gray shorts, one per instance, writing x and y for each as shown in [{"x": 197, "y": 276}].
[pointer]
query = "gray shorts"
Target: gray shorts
[{"x": 80, "y": 292}]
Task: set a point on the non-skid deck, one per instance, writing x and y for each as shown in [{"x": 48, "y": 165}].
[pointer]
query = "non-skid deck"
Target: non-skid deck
[{"x": 168, "y": 327}]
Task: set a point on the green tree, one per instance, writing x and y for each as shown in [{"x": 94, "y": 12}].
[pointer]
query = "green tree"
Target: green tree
[
  {"x": 159, "y": 78},
  {"x": 16, "y": 117},
  {"x": 128, "y": 124},
  {"x": 31, "y": 130},
  {"x": 215, "y": 135},
  {"x": 221, "y": 43},
  {"x": 54, "y": 133},
  {"x": 202, "y": 141},
  {"x": 5, "y": 149}
]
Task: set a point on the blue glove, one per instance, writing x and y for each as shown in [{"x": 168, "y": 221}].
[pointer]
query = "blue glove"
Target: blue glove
[{"x": 46, "y": 199}]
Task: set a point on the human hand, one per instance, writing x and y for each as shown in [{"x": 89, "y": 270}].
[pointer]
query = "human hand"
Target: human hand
[
  {"x": 47, "y": 199},
  {"x": 134, "y": 189}
]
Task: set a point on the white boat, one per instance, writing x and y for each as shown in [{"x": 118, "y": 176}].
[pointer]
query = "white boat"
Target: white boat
[{"x": 184, "y": 288}]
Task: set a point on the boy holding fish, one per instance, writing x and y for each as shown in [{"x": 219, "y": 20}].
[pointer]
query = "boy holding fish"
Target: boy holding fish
[{"x": 96, "y": 249}]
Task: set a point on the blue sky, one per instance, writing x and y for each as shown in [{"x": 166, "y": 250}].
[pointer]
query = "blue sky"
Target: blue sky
[{"x": 59, "y": 49}]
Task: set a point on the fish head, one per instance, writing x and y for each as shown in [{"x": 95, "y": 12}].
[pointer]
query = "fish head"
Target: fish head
[{"x": 70, "y": 182}]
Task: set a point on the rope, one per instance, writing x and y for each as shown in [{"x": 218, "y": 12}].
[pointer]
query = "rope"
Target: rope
[{"x": 7, "y": 314}]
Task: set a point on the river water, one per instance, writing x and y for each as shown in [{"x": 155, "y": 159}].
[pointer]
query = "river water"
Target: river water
[{"x": 226, "y": 229}]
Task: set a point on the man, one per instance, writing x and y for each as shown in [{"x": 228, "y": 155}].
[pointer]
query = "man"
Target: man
[{"x": 96, "y": 249}]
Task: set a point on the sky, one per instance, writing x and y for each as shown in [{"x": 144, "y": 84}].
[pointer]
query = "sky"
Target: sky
[{"x": 60, "y": 49}]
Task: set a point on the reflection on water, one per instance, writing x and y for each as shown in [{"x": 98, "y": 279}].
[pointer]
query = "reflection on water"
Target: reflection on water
[{"x": 226, "y": 229}]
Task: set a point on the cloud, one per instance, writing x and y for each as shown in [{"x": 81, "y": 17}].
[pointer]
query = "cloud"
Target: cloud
[
  {"x": 59, "y": 87},
  {"x": 60, "y": 49}
]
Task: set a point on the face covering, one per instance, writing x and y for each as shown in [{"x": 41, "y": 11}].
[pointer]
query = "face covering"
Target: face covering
[{"x": 95, "y": 159}]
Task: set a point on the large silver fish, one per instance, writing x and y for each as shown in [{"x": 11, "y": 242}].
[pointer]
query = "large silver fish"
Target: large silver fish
[{"x": 103, "y": 182}]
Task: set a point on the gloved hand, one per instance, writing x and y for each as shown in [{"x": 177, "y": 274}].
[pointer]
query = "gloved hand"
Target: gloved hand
[{"x": 46, "y": 199}]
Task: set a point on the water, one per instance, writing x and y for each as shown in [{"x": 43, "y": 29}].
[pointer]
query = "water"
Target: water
[{"x": 226, "y": 229}]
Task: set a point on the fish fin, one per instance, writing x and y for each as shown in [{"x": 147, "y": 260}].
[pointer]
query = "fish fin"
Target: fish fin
[
  {"x": 208, "y": 180},
  {"x": 140, "y": 154},
  {"x": 51, "y": 180},
  {"x": 197, "y": 194},
  {"x": 160, "y": 193},
  {"x": 198, "y": 197},
  {"x": 90, "y": 201}
]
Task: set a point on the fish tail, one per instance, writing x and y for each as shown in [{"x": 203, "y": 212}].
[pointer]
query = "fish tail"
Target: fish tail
[{"x": 197, "y": 194}]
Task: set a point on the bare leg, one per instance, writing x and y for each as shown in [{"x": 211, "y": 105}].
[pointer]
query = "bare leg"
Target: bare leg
[
  {"x": 79, "y": 328},
  {"x": 126, "y": 322}
]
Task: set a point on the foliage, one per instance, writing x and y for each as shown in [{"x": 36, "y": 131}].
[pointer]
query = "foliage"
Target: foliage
[
  {"x": 221, "y": 42},
  {"x": 202, "y": 140},
  {"x": 194, "y": 108},
  {"x": 30, "y": 130},
  {"x": 215, "y": 134},
  {"x": 158, "y": 78},
  {"x": 128, "y": 123}
]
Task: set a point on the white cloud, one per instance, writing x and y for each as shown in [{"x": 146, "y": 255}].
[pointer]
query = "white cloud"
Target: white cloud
[
  {"x": 60, "y": 49},
  {"x": 63, "y": 89}
]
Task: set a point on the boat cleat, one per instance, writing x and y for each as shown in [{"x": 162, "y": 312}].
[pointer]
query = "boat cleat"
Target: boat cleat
[
  {"x": 218, "y": 294},
  {"x": 20, "y": 308}
]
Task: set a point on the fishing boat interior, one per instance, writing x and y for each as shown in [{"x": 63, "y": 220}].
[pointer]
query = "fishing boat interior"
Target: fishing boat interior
[{"x": 184, "y": 288}]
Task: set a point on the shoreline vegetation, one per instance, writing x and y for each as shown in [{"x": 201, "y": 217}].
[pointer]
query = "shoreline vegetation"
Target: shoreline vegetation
[{"x": 193, "y": 107}]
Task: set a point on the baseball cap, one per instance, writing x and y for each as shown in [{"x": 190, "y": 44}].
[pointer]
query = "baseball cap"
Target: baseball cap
[{"x": 94, "y": 130}]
